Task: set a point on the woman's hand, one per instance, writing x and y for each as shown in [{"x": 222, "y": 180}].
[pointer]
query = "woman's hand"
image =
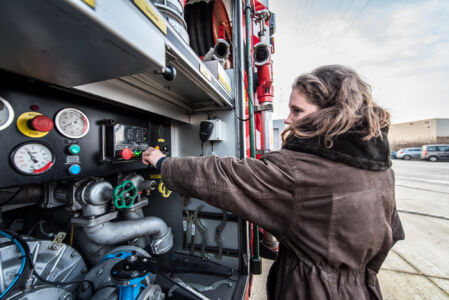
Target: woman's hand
[{"x": 151, "y": 156}]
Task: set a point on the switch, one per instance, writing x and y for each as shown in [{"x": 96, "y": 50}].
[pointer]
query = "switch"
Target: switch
[
  {"x": 74, "y": 169},
  {"x": 74, "y": 149},
  {"x": 126, "y": 154},
  {"x": 41, "y": 123}
]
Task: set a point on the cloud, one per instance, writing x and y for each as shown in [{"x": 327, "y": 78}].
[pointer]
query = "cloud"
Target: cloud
[{"x": 401, "y": 48}]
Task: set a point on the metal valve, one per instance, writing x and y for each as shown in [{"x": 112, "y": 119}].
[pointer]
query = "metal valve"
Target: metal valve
[{"x": 125, "y": 194}]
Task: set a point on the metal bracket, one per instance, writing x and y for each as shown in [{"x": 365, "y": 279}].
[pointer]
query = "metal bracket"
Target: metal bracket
[
  {"x": 86, "y": 222},
  {"x": 263, "y": 107},
  {"x": 163, "y": 244},
  {"x": 57, "y": 241},
  {"x": 137, "y": 205},
  {"x": 262, "y": 152},
  {"x": 262, "y": 15}
]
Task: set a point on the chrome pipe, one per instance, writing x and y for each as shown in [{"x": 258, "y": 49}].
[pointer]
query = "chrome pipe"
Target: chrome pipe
[{"x": 111, "y": 233}]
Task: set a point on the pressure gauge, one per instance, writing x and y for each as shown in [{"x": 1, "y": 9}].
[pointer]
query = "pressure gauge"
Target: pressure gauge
[
  {"x": 32, "y": 158},
  {"x": 72, "y": 123},
  {"x": 6, "y": 114}
]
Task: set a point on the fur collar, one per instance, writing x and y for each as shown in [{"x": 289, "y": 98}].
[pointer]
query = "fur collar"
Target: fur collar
[{"x": 348, "y": 148}]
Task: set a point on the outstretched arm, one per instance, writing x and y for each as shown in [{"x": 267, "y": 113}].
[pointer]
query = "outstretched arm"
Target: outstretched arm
[{"x": 260, "y": 191}]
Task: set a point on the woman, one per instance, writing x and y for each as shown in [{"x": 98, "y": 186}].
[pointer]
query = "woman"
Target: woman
[{"x": 328, "y": 195}]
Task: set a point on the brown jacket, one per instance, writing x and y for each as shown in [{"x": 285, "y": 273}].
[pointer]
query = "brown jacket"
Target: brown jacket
[{"x": 335, "y": 223}]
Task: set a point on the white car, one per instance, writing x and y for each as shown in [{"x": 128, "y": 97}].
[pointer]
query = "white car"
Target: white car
[{"x": 408, "y": 153}]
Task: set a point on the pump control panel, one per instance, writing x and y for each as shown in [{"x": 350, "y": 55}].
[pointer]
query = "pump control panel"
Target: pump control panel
[
  {"x": 50, "y": 134},
  {"x": 123, "y": 142}
]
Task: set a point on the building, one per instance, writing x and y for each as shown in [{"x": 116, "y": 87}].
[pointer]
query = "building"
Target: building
[
  {"x": 278, "y": 127},
  {"x": 418, "y": 133}
]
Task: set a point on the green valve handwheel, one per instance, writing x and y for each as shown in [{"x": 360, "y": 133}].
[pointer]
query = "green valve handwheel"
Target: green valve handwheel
[{"x": 125, "y": 194}]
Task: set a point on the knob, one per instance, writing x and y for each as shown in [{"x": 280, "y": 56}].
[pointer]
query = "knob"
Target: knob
[
  {"x": 41, "y": 123},
  {"x": 169, "y": 73},
  {"x": 74, "y": 149},
  {"x": 74, "y": 169},
  {"x": 126, "y": 154}
]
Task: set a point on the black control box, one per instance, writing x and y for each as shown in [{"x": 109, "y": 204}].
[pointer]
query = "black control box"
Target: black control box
[{"x": 123, "y": 142}]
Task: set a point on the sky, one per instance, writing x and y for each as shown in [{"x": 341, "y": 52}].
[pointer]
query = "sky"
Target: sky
[{"x": 400, "y": 47}]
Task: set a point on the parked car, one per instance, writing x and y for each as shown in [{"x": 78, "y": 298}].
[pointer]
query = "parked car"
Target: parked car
[
  {"x": 435, "y": 152},
  {"x": 393, "y": 154},
  {"x": 408, "y": 153}
]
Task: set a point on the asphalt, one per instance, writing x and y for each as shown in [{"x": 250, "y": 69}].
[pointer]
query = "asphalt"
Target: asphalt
[{"x": 418, "y": 267}]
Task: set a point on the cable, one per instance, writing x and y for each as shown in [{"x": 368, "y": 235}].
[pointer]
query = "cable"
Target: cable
[
  {"x": 72, "y": 230},
  {"x": 306, "y": 19},
  {"x": 50, "y": 235},
  {"x": 105, "y": 286},
  {"x": 330, "y": 43},
  {"x": 298, "y": 12},
  {"x": 355, "y": 19},
  {"x": 361, "y": 12},
  {"x": 321, "y": 39},
  {"x": 246, "y": 90},
  {"x": 25, "y": 260},
  {"x": 347, "y": 10},
  {"x": 12, "y": 197}
]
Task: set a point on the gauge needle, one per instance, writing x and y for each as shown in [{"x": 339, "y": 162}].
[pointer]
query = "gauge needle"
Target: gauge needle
[
  {"x": 70, "y": 124},
  {"x": 32, "y": 157}
]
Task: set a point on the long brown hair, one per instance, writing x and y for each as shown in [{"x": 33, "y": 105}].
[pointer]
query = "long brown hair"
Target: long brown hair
[{"x": 345, "y": 103}]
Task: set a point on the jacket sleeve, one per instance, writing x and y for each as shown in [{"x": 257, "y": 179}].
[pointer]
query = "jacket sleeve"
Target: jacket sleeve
[{"x": 260, "y": 191}]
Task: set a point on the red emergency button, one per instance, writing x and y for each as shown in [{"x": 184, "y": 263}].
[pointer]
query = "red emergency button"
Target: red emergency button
[
  {"x": 41, "y": 123},
  {"x": 126, "y": 154}
]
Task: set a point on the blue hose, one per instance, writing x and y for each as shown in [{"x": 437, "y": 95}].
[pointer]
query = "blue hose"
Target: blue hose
[{"x": 22, "y": 267}]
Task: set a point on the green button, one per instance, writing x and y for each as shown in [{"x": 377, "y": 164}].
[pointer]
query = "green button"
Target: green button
[
  {"x": 74, "y": 149},
  {"x": 137, "y": 152}
]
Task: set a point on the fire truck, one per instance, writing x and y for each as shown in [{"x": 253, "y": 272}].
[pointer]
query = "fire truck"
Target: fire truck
[{"x": 85, "y": 87}]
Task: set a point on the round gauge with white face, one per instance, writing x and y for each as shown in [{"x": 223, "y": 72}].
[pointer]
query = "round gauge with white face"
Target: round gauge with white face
[
  {"x": 6, "y": 114},
  {"x": 32, "y": 158},
  {"x": 72, "y": 123}
]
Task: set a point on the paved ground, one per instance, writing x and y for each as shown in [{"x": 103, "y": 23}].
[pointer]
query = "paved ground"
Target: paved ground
[{"x": 418, "y": 267}]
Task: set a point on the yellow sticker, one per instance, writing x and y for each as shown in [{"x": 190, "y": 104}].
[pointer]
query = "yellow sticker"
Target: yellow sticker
[
  {"x": 205, "y": 72},
  {"x": 224, "y": 83},
  {"x": 22, "y": 125},
  {"x": 160, "y": 140},
  {"x": 91, "y": 3},
  {"x": 155, "y": 176},
  {"x": 151, "y": 14}
]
